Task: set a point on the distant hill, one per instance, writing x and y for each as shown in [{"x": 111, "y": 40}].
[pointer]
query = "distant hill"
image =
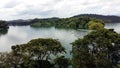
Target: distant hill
[
  {"x": 105, "y": 18},
  {"x": 19, "y": 22}
]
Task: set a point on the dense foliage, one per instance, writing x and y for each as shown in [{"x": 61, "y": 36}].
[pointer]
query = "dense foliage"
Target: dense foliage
[
  {"x": 73, "y": 22},
  {"x": 99, "y": 49},
  {"x": 3, "y": 25},
  {"x": 105, "y": 18},
  {"x": 43, "y": 22},
  {"x": 39, "y": 48},
  {"x": 95, "y": 24},
  {"x": 34, "y": 54},
  {"x": 3, "y": 31},
  {"x": 62, "y": 62}
]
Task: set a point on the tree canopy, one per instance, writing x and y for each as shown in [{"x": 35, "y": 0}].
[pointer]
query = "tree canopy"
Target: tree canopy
[
  {"x": 3, "y": 25},
  {"x": 98, "y": 49},
  {"x": 38, "y": 50},
  {"x": 95, "y": 24},
  {"x": 82, "y": 22},
  {"x": 62, "y": 62}
]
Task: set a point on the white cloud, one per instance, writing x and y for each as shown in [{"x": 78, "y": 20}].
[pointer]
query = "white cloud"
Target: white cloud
[{"x": 25, "y": 9}]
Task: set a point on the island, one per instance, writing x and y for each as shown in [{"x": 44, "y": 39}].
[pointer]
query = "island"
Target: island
[
  {"x": 80, "y": 21},
  {"x": 3, "y": 27}
]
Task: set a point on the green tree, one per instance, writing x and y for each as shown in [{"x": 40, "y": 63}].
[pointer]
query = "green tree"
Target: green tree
[
  {"x": 73, "y": 22},
  {"x": 98, "y": 49},
  {"x": 8, "y": 60},
  {"x": 95, "y": 25},
  {"x": 3, "y": 25},
  {"x": 39, "y": 49},
  {"x": 62, "y": 62}
]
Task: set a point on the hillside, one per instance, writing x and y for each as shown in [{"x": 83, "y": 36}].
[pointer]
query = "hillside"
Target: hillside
[
  {"x": 105, "y": 18},
  {"x": 19, "y": 22}
]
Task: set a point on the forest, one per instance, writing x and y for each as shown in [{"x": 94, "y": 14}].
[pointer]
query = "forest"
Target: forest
[
  {"x": 74, "y": 23},
  {"x": 81, "y": 22},
  {"x": 53, "y": 20}
]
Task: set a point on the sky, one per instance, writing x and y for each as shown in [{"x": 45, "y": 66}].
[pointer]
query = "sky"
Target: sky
[{"x": 29, "y": 9}]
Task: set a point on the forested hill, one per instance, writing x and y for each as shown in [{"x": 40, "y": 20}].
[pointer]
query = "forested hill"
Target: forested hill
[
  {"x": 19, "y": 22},
  {"x": 105, "y": 18}
]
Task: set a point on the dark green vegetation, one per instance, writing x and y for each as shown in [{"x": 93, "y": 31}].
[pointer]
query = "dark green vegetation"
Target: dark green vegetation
[
  {"x": 62, "y": 62},
  {"x": 105, "y": 18},
  {"x": 3, "y": 27},
  {"x": 98, "y": 49},
  {"x": 18, "y": 22},
  {"x": 34, "y": 54},
  {"x": 3, "y": 31},
  {"x": 95, "y": 24},
  {"x": 75, "y": 23},
  {"x": 52, "y": 21}
]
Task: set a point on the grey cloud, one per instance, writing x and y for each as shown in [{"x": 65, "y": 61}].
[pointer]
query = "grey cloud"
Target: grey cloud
[
  {"x": 12, "y": 4},
  {"x": 60, "y": 8},
  {"x": 36, "y": 11}
]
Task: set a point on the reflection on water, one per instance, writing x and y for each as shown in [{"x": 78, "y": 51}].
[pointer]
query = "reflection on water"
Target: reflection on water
[
  {"x": 3, "y": 31},
  {"x": 23, "y": 34}
]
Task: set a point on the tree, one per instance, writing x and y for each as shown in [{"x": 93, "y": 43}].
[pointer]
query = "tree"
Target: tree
[
  {"x": 98, "y": 49},
  {"x": 3, "y": 25},
  {"x": 8, "y": 60},
  {"x": 73, "y": 22},
  {"x": 62, "y": 62},
  {"x": 95, "y": 25},
  {"x": 38, "y": 50}
]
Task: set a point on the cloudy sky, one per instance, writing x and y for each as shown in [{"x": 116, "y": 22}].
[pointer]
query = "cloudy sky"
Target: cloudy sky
[{"x": 27, "y": 9}]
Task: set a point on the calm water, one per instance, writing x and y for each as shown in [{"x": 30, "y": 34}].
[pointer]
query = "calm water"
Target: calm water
[
  {"x": 115, "y": 26},
  {"x": 23, "y": 34}
]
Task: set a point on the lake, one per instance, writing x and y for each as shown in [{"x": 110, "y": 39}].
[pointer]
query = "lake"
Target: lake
[
  {"x": 115, "y": 26},
  {"x": 23, "y": 34}
]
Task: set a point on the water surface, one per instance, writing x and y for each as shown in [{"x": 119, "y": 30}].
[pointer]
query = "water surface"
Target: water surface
[
  {"x": 23, "y": 34},
  {"x": 115, "y": 26}
]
